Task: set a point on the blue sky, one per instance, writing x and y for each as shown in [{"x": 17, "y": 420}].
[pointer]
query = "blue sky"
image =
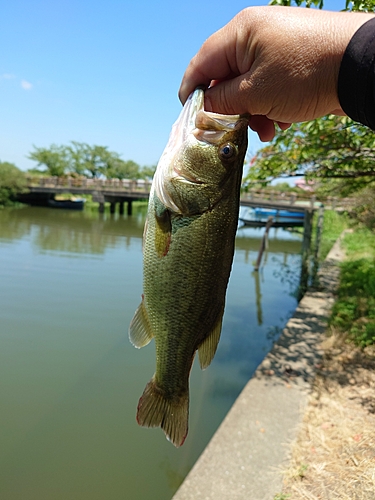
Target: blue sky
[{"x": 104, "y": 73}]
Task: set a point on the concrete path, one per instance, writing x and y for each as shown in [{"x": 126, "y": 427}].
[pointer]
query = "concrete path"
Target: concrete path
[{"x": 246, "y": 457}]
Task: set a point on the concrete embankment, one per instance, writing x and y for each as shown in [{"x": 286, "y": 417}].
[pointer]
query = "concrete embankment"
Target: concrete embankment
[{"x": 247, "y": 455}]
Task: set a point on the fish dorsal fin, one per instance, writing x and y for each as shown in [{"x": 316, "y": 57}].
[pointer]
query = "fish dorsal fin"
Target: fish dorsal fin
[
  {"x": 140, "y": 333},
  {"x": 207, "y": 349}
]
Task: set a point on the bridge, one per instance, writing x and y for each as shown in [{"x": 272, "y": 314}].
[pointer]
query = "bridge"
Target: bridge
[
  {"x": 103, "y": 191},
  {"x": 120, "y": 191}
]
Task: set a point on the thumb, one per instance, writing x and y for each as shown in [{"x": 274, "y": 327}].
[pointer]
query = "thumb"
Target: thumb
[{"x": 229, "y": 97}]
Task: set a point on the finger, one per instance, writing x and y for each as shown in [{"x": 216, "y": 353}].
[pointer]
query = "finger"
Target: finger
[
  {"x": 263, "y": 126},
  {"x": 231, "y": 97},
  {"x": 283, "y": 125},
  {"x": 214, "y": 61}
]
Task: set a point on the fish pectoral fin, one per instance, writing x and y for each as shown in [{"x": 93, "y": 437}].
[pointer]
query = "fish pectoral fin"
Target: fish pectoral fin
[
  {"x": 140, "y": 333},
  {"x": 163, "y": 230},
  {"x": 207, "y": 349}
]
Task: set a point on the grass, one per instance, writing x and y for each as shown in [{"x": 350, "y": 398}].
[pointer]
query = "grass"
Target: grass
[
  {"x": 333, "y": 225},
  {"x": 354, "y": 311}
]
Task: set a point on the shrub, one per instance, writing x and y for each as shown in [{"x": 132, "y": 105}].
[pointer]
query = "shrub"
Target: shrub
[{"x": 12, "y": 182}]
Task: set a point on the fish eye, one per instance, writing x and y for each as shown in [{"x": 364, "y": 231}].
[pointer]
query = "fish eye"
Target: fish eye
[{"x": 227, "y": 151}]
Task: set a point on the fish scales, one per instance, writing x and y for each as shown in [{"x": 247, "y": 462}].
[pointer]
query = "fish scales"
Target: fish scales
[{"x": 188, "y": 252}]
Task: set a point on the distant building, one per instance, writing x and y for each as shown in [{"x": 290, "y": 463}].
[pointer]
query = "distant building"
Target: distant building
[{"x": 306, "y": 186}]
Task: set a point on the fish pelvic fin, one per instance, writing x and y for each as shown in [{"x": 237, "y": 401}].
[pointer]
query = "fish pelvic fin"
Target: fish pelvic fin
[
  {"x": 140, "y": 333},
  {"x": 155, "y": 410},
  {"x": 207, "y": 348}
]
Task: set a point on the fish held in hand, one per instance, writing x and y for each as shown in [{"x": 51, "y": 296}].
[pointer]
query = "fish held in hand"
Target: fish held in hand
[{"x": 187, "y": 257}]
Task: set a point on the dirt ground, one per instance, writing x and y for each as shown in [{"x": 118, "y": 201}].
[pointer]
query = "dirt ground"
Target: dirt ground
[{"x": 334, "y": 456}]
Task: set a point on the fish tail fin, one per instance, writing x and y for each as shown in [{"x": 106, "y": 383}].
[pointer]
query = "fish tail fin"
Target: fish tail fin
[{"x": 155, "y": 410}]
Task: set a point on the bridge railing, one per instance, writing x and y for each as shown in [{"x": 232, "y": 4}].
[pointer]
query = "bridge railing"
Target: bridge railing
[{"x": 140, "y": 185}]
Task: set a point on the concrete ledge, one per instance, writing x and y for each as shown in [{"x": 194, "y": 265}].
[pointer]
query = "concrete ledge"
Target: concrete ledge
[{"x": 245, "y": 458}]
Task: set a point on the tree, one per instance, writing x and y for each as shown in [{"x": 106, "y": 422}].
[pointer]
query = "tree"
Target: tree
[
  {"x": 120, "y": 169},
  {"x": 12, "y": 182},
  {"x": 148, "y": 172},
  {"x": 90, "y": 160},
  {"x": 82, "y": 159},
  {"x": 337, "y": 151},
  {"x": 53, "y": 159},
  {"x": 332, "y": 147}
]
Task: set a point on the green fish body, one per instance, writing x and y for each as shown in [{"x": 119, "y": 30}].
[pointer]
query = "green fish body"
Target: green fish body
[{"x": 188, "y": 252}]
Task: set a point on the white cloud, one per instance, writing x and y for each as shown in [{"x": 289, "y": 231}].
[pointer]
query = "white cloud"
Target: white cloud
[
  {"x": 26, "y": 85},
  {"x": 7, "y": 76}
]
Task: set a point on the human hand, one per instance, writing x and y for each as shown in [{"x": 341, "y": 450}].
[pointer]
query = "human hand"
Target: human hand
[{"x": 280, "y": 64}]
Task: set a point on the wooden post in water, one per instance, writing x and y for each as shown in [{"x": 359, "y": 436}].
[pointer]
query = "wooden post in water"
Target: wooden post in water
[
  {"x": 258, "y": 298},
  {"x": 112, "y": 207},
  {"x": 263, "y": 244},
  {"x": 318, "y": 236},
  {"x": 121, "y": 208},
  {"x": 306, "y": 243}
]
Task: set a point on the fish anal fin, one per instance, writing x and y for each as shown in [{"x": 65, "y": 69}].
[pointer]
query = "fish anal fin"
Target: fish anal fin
[
  {"x": 140, "y": 333},
  {"x": 155, "y": 410},
  {"x": 207, "y": 348}
]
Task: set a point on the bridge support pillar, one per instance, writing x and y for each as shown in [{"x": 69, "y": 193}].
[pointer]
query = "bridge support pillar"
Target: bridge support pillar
[
  {"x": 130, "y": 207},
  {"x": 101, "y": 208},
  {"x": 121, "y": 208},
  {"x": 112, "y": 208}
]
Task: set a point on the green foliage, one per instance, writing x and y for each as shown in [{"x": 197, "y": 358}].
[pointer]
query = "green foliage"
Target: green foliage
[
  {"x": 148, "y": 172},
  {"x": 299, "y": 3},
  {"x": 79, "y": 158},
  {"x": 333, "y": 225},
  {"x": 364, "y": 207},
  {"x": 360, "y": 5},
  {"x": 93, "y": 161},
  {"x": 120, "y": 169},
  {"x": 354, "y": 311},
  {"x": 355, "y": 5},
  {"x": 53, "y": 160},
  {"x": 12, "y": 182},
  {"x": 332, "y": 147}
]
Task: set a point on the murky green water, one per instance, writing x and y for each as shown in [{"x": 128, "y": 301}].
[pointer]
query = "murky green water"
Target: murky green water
[{"x": 69, "y": 378}]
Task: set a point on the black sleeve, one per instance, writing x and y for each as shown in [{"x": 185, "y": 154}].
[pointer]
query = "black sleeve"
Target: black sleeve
[{"x": 356, "y": 85}]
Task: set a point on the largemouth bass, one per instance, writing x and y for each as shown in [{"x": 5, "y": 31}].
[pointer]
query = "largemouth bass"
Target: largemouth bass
[{"x": 188, "y": 252}]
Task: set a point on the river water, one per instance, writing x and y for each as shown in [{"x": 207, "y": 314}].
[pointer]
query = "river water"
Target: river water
[{"x": 69, "y": 378}]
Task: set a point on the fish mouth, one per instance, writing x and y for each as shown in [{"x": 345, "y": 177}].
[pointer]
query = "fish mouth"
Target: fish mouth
[
  {"x": 193, "y": 124},
  {"x": 205, "y": 126}
]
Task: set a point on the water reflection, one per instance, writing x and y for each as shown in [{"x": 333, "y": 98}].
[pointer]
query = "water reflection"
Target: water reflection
[{"x": 67, "y": 231}]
